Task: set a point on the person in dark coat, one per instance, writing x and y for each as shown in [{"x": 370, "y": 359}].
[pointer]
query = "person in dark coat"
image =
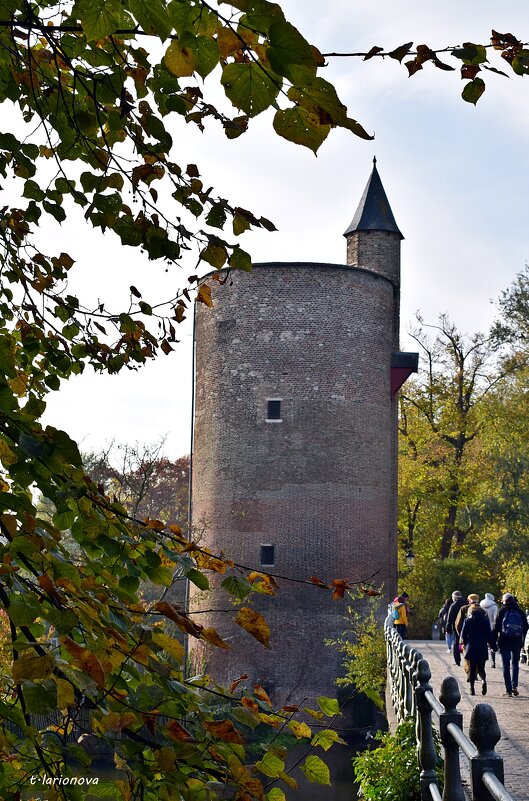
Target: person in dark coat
[
  {"x": 476, "y": 636},
  {"x": 457, "y": 602},
  {"x": 509, "y": 633},
  {"x": 441, "y": 621}
]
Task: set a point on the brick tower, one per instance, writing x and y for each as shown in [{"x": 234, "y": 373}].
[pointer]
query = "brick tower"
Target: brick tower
[{"x": 294, "y": 464}]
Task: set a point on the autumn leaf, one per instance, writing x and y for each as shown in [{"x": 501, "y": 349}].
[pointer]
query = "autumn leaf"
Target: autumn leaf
[
  {"x": 255, "y": 624},
  {"x": 86, "y": 660},
  {"x": 318, "y": 582},
  {"x": 116, "y": 722},
  {"x": 224, "y": 730},
  {"x": 235, "y": 684},
  {"x": 177, "y": 732},
  {"x": 32, "y": 667},
  {"x": 204, "y": 295},
  {"x": 212, "y": 636},
  {"x": 370, "y": 592},
  {"x": 339, "y": 587},
  {"x": 261, "y": 694},
  {"x": 183, "y": 622},
  {"x": 48, "y": 585}
]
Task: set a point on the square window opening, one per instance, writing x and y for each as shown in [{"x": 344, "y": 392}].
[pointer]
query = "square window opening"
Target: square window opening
[
  {"x": 273, "y": 409},
  {"x": 267, "y": 555}
]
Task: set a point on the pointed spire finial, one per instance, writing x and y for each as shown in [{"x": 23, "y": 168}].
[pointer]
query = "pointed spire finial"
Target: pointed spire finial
[{"x": 374, "y": 212}]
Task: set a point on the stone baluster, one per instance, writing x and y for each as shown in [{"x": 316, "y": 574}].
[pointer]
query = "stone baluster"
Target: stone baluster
[
  {"x": 426, "y": 746},
  {"x": 484, "y": 733},
  {"x": 414, "y": 676},
  {"x": 450, "y": 697}
]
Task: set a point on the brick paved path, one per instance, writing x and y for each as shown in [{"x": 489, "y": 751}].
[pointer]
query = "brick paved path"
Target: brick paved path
[{"x": 512, "y": 713}]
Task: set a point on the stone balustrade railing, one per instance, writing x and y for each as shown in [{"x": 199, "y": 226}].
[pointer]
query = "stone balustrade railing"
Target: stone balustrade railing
[{"x": 412, "y": 696}]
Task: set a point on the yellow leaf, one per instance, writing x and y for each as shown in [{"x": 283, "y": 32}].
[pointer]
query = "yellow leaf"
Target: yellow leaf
[
  {"x": 65, "y": 693},
  {"x": 116, "y": 721},
  {"x": 255, "y": 624},
  {"x": 9, "y": 522},
  {"x": 30, "y": 666},
  {"x": 204, "y": 295},
  {"x": 212, "y": 636},
  {"x": 170, "y": 646},
  {"x": 299, "y": 729},
  {"x": 179, "y": 60},
  {"x": 7, "y": 456},
  {"x": 165, "y": 759}
]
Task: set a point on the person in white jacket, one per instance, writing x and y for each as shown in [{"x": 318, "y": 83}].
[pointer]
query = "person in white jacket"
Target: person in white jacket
[{"x": 491, "y": 608}]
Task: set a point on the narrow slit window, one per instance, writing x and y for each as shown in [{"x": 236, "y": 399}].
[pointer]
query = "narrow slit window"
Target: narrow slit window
[
  {"x": 267, "y": 555},
  {"x": 273, "y": 409}
]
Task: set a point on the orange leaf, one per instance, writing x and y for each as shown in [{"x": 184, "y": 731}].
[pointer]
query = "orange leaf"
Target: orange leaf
[
  {"x": 255, "y": 624},
  {"x": 249, "y": 703},
  {"x": 340, "y": 586},
  {"x": 154, "y": 525},
  {"x": 318, "y": 582},
  {"x": 86, "y": 660},
  {"x": 290, "y": 708},
  {"x": 177, "y": 732},
  {"x": 224, "y": 730},
  {"x": 370, "y": 592},
  {"x": 261, "y": 694},
  {"x": 183, "y": 622},
  {"x": 48, "y": 585},
  {"x": 204, "y": 295},
  {"x": 212, "y": 636},
  {"x": 235, "y": 684}
]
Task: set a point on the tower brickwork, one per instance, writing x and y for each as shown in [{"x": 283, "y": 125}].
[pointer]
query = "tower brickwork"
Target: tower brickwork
[{"x": 294, "y": 464}]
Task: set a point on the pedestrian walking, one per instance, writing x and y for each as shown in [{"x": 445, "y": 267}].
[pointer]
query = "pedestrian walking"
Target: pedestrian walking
[
  {"x": 400, "y": 615},
  {"x": 476, "y": 637},
  {"x": 441, "y": 622},
  {"x": 491, "y": 608},
  {"x": 510, "y": 629},
  {"x": 457, "y": 602}
]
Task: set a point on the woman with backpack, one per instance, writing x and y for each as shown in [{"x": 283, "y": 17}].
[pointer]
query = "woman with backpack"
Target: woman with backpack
[
  {"x": 509, "y": 633},
  {"x": 400, "y": 615}
]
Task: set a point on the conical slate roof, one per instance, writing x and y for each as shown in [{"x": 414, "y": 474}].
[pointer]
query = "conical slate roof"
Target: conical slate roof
[{"x": 374, "y": 212}]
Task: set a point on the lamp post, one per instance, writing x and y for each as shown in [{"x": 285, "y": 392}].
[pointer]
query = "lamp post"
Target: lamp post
[{"x": 410, "y": 559}]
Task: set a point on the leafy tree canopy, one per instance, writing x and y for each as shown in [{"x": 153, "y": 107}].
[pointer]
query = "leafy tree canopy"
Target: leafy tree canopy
[{"x": 94, "y": 87}]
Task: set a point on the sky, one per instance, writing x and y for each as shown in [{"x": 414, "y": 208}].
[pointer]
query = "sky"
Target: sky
[{"x": 457, "y": 179}]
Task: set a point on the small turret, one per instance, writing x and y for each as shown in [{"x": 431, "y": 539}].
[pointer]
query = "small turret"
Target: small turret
[{"x": 373, "y": 237}]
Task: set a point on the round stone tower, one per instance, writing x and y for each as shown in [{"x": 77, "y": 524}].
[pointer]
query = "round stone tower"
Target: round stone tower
[{"x": 294, "y": 463}]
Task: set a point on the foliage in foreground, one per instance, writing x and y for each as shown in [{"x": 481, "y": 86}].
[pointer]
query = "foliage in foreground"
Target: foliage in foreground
[
  {"x": 364, "y": 650},
  {"x": 390, "y": 771}
]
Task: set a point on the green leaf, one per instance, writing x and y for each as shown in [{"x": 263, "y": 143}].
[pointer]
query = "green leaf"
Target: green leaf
[
  {"x": 374, "y": 696},
  {"x": 276, "y": 794},
  {"x": 152, "y": 16},
  {"x": 290, "y": 54},
  {"x": 240, "y": 260},
  {"x": 316, "y": 770},
  {"x": 40, "y": 698},
  {"x": 270, "y": 765},
  {"x": 246, "y": 717},
  {"x": 33, "y": 191},
  {"x": 198, "y": 578},
  {"x": 329, "y": 706},
  {"x": 35, "y": 448},
  {"x": 23, "y": 609},
  {"x": 237, "y": 587},
  {"x": 473, "y": 90},
  {"x": 98, "y": 17},
  {"x": 301, "y": 126},
  {"x": 326, "y": 738},
  {"x": 470, "y": 53},
  {"x": 250, "y": 87}
]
